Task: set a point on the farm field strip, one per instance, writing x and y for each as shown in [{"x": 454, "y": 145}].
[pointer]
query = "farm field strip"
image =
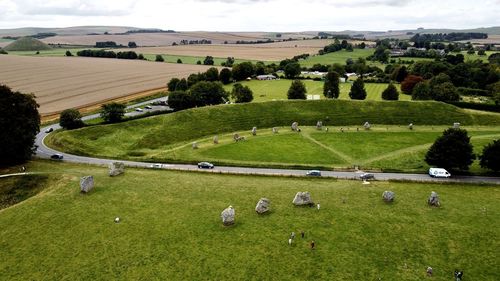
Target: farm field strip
[{"x": 72, "y": 82}]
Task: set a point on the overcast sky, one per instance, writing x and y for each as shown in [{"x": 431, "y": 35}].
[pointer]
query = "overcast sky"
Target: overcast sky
[{"x": 253, "y": 15}]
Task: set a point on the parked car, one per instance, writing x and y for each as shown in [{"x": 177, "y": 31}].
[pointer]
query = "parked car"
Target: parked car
[
  {"x": 49, "y": 130},
  {"x": 367, "y": 176},
  {"x": 314, "y": 173},
  {"x": 57, "y": 156},
  {"x": 148, "y": 107},
  {"x": 157, "y": 166},
  {"x": 205, "y": 165},
  {"x": 138, "y": 109},
  {"x": 439, "y": 173}
]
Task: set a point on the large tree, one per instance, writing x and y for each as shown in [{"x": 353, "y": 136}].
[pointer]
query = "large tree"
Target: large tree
[
  {"x": 212, "y": 74},
  {"x": 208, "y": 93},
  {"x": 297, "y": 90},
  {"x": 172, "y": 84},
  {"x": 225, "y": 76},
  {"x": 70, "y": 119},
  {"x": 390, "y": 93},
  {"x": 409, "y": 83},
  {"x": 452, "y": 150},
  {"x": 112, "y": 112},
  {"x": 242, "y": 71},
  {"x": 180, "y": 100},
  {"x": 491, "y": 156},
  {"x": 292, "y": 70},
  {"x": 331, "y": 87},
  {"x": 358, "y": 91},
  {"x": 19, "y": 123},
  {"x": 241, "y": 93}
]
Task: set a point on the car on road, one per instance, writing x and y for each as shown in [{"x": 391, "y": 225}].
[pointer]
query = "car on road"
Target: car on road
[
  {"x": 314, "y": 173},
  {"x": 49, "y": 130},
  {"x": 148, "y": 107},
  {"x": 205, "y": 165},
  {"x": 439, "y": 173},
  {"x": 157, "y": 166},
  {"x": 138, "y": 109},
  {"x": 367, "y": 176},
  {"x": 56, "y": 156}
]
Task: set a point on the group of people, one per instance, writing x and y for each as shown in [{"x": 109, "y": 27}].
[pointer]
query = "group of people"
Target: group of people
[{"x": 302, "y": 235}]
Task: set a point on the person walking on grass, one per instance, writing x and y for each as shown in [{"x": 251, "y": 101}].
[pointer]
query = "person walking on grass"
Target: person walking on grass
[
  {"x": 312, "y": 245},
  {"x": 302, "y": 234}
]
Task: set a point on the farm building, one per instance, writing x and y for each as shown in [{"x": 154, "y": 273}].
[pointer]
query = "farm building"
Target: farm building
[{"x": 266, "y": 77}]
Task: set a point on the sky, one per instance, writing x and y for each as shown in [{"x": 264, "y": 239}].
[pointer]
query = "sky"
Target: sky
[{"x": 253, "y": 15}]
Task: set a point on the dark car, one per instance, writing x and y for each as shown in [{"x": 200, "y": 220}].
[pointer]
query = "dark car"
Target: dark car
[
  {"x": 56, "y": 157},
  {"x": 49, "y": 130},
  {"x": 314, "y": 173},
  {"x": 205, "y": 165},
  {"x": 366, "y": 176}
]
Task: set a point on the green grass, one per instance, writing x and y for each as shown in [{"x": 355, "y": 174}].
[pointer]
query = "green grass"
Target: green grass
[
  {"x": 27, "y": 44},
  {"x": 336, "y": 57},
  {"x": 19, "y": 188},
  {"x": 194, "y": 59},
  {"x": 170, "y": 229},
  {"x": 55, "y": 52},
  {"x": 268, "y": 90}
]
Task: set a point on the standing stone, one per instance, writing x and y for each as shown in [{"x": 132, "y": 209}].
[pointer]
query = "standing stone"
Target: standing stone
[
  {"x": 86, "y": 184},
  {"x": 388, "y": 196},
  {"x": 456, "y": 125},
  {"x": 195, "y": 145},
  {"x": 302, "y": 198},
  {"x": 254, "y": 131},
  {"x": 410, "y": 126},
  {"x": 275, "y": 130},
  {"x": 228, "y": 216},
  {"x": 116, "y": 168},
  {"x": 434, "y": 200},
  {"x": 236, "y": 137},
  {"x": 262, "y": 205},
  {"x": 367, "y": 126},
  {"x": 295, "y": 126},
  {"x": 216, "y": 140},
  {"x": 319, "y": 125}
]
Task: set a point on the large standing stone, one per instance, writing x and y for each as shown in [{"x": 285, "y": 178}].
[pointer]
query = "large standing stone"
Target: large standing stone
[
  {"x": 295, "y": 126},
  {"x": 228, "y": 216},
  {"x": 367, "y": 126},
  {"x": 275, "y": 130},
  {"x": 302, "y": 198},
  {"x": 254, "y": 131},
  {"x": 434, "y": 200},
  {"x": 410, "y": 126},
  {"x": 456, "y": 125},
  {"x": 236, "y": 137},
  {"x": 388, "y": 196},
  {"x": 87, "y": 184},
  {"x": 319, "y": 125},
  {"x": 195, "y": 145},
  {"x": 262, "y": 205},
  {"x": 216, "y": 140},
  {"x": 116, "y": 168}
]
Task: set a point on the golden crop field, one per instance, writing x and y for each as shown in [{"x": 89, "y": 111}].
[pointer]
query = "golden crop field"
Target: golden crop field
[{"x": 75, "y": 82}]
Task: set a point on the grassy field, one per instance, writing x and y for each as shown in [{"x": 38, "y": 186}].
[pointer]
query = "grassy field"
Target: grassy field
[
  {"x": 336, "y": 57},
  {"x": 277, "y": 89},
  {"x": 170, "y": 229},
  {"x": 193, "y": 59},
  {"x": 163, "y": 138}
]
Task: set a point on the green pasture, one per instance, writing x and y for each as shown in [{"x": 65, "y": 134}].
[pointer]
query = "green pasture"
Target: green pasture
[
  {"x": 170, "y": 229},
  {"x": 193, "y": 59},
  {"x": 336, "y": 57},
  {"x": 268, "y": 90}
]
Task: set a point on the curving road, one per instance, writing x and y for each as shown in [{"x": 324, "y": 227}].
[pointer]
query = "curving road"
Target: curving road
[{"x": 43, "y": 151}]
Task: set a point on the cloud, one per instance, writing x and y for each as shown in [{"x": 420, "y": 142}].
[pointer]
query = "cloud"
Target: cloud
[
  {"x": 370, "y": 3},
  {"x": 234, "y": 1},
  {"x": 76, "y": 8}
]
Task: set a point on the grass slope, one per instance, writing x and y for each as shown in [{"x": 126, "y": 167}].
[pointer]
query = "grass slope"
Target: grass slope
[
  {"x": 27, "y": 44},
  {"x": 336, "y": 57},
  {"x": 170, "y": 229}
]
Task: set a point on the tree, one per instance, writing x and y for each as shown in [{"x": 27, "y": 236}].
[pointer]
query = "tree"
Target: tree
[
  {"x": 209, "y": 60},
  {"x": 331, "y": 87},
  {"x": 292, "y": 70},
  {"x": 399, "y": 74},
  {"x": 225, "y": 76},
  {"x": 182, "y": 85},
  {"x": 297, "y": 90},
  {"x": 362, "y": 45},
  {"x": 242, "y": 71},
  {"x": 19, "y": 123},
  {"x": 339, "y": 68},
  {"x": 69, "y": 54},
  {"x": 421, "y": 91},
  {"x": 70, "y": 119},
  {"x": 132, "y": 44},
  {"x": 229, "y": 61},
  {"x": 241, "y": 93},
  {"x": 159, "y": 58},
  {"x": 112, "y": 112},
  {"x": 491, "y": 156},
  {"x": 212, "y": 74},
  {"x": 358, "y": 91},
  {"x": 481, "y": 52},
  {"x": 452, "y": 150},
  {"x": 390, "y": 93},
  {"x": 180, "y": 100},
  {"x": 409, "y": 83},
  {"x": 208, "y": 93},
  {"x": 445, "y": 92},
  {"x": 172, "y": 84},
  {"x": 179, "y": 61}
]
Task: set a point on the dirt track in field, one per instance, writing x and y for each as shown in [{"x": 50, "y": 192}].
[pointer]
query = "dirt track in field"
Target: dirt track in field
[{"x": 74, "y": 82}]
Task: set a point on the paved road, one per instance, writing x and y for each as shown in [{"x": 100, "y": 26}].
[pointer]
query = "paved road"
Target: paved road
[{"x": 45, "y": 152}]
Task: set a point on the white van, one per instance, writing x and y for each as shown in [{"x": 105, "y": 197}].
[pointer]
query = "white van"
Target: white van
[{"x": 439, "y": 173}]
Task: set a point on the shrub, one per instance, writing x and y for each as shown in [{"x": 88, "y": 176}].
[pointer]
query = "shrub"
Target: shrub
[
  {"x": 358, "y": 91},
  {"x": 390, "y": 93},
  {"x": 491, "y": 156},
  {"x": 70, "y": 119},
  {"x": 297, "y": 90}
]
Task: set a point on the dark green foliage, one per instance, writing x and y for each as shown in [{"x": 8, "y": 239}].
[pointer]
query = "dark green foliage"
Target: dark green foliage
[
  {"x": 242, "y": 71},
  {"x": 212, "y": 74},
  {"x": 421, "y": 91},
  {"x": 297, "y": 90},
  {"x": 3, "y": 52},
  {"x": 445, "y": 92},
  {"x": 331, "y": 87},
  {"x": 69, "y": 54},
  {"x": 491, "y": 156},
  {"x": 106, "y": 44},
  {"x": 452, "y": 150},
  {"x": 182, "y": 85},
  {"x": 179, "y": 61},
  {"x": 159, "y": 58},
  {"x": 229, "y": 62},
  {"x": 399, "y": 74},
  {"x": 241, "y": 94},
  {"x": 96, "y": 53},
  {"x": 494, "y": 58},
  {"x": 19, "y": 124},
  {"x": 112, "y": 112},
  {"x": 292, "y": 70},
  {"x": 209, "y": 60},
  {"x": 225, "y": 76},
  {"x": 390, "y": 93},
  {"x": 198, "y": 62},
  {"x": 129, "y": 55},
  {"x": 172, "y": 84},
  {"x": 337, "y": 67},
  {"x": 71, "y": 119},
  {"x": 381, "y": 54},
  {"x": 180, "y": 100},
  {"x": 358, "y": 91},
  {"x": 208, "y": 93},
  {"x": 132, "y": 44}
]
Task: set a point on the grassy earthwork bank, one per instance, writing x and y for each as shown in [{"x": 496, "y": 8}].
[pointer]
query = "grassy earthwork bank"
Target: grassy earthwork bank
[
  {"x": 389, "y": 145},
  {"x": 170, "y": 229}
]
